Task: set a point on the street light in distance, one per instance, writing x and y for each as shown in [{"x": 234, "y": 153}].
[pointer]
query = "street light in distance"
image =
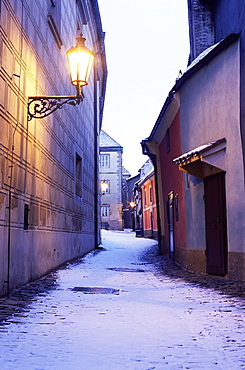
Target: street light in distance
[{"x": 104, "y": 187}]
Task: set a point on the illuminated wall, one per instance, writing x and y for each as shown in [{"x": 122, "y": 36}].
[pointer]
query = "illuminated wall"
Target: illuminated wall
[{"x": 42, "y": 161}]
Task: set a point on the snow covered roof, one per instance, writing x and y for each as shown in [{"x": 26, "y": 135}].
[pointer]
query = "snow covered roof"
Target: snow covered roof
[
  {"x": 197, "y": 151},
  {"x": 107, "y": 141},
  {"x": 204, "y": 58},
  {"x": 146, "y": 177}
]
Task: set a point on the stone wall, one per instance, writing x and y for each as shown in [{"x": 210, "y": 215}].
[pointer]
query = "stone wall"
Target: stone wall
[{"x": 201, "y": 26}]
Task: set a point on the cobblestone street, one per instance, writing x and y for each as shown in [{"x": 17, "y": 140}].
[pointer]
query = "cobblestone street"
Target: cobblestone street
[{"x": 124, "y": 307}]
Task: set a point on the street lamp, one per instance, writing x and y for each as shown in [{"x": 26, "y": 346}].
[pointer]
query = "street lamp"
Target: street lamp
[
  {"x": 80, "y": 61},
  {"x": 132, "y": 204},
  {"x": 103, "y": 186}
]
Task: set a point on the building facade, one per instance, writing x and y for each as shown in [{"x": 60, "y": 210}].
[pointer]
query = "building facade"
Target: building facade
[
  {"x": 149, "y": 210},
  {"x": 199, "y": 147},
  {"x": 130, "y": 209},
  {"x": 111, "y": 172},
  {"x": 126, "y": 209},
  {"x": 49, "y": 166},
  {"x": 141, "y": 199}
]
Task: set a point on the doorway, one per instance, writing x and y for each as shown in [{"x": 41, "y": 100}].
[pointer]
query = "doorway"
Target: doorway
[
  {"x": 152, "y": 226},
  {"x": 216, "y": 228}
]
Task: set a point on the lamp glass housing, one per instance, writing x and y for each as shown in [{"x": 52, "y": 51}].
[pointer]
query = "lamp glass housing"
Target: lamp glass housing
[
  {"x": 80, "y": 60},
  {"x": 104, "y": 186}
]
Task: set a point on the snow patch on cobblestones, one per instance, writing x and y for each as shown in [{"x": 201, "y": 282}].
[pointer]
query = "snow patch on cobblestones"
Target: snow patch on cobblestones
[{"x": 163, "y": 318}]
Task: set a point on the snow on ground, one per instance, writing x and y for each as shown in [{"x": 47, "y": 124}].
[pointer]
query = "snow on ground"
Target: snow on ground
[{"x": 153, "y": 323}]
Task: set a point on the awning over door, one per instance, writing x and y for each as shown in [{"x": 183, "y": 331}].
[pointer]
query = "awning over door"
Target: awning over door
[{"x": 205, "y": 160}]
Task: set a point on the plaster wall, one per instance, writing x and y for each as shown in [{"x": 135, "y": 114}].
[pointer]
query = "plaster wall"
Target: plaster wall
[
  {"x": 149, "y": 207},
  {"x": 38, "y": 157},
  {"x": 172, "y": 180},
  {"x": 210, "y": 110}
]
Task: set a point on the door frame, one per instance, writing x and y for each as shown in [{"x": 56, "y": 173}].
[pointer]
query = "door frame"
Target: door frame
[{"x": 216, "y": 227}]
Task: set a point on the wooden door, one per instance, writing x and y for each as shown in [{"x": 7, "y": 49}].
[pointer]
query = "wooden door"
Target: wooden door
[{"x": 216, "y": 231}]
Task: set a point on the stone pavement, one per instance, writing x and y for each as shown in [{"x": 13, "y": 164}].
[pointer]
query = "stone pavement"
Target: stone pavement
[
  {"x": 222, "y": 285},
  {"x": 23, "y": 296},
  {"x": 158, "y": 316}
]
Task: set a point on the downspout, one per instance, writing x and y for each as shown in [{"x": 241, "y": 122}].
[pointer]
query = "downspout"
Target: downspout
[
  {"x": 96, "y": 226},
  {"x": 159, "y": 230}
]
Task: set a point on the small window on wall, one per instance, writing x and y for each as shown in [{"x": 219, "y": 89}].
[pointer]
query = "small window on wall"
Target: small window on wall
[
  {"x": 82, "y": 13},
  {"x": 105, "y": 160},
  {"x": 78, "y": 175},
  {"x": 54, "y": 20},
  {"x": 105, "y": 209},
  {"x": 151, "y": 199}
]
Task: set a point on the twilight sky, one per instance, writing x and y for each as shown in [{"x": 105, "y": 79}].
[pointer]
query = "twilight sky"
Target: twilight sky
[{"x": 146, "y": 46}]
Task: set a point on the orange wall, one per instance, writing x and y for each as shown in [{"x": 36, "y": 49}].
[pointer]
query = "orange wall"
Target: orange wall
[
  {"x": 173, "y": 180},
  {"x": 149, "y": 204}
]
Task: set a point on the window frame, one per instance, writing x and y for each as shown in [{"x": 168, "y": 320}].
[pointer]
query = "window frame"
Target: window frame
[
  {"x": 103, "y": 163},
  {"x": 54, "y": 20},
  {"x": 78, "y": 175},
  {"x": 107, "y": 208}
]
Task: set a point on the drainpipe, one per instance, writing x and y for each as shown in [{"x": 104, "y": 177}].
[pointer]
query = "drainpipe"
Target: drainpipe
[
  {"x": 159, "y": 236},
  {"x": 96, "y": 231},
  {"x": 9, "y": 242}
]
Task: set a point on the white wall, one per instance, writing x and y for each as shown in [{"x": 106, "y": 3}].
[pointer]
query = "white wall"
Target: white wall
[{"x": 210, "y": 102}]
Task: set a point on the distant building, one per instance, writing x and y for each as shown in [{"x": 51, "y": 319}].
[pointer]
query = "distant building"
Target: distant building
[
  {"x": 149, "y": 207},
  {"x": 130, "y": 209},
  {"x": 143, "y": 193},
  {"x": 111, "y": 171},
  {"x": 126, "y": 214}
]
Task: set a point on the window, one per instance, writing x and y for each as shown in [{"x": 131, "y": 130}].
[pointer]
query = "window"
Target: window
[
  {"x": 54, "y": 20},
  {"x": 105, "y": 160},
  {"x": 82, "y": 13},
  {"x": 151, "y": 200},
  {"x": 78, "y": 175},
  {"x": 105, "y": 209}
]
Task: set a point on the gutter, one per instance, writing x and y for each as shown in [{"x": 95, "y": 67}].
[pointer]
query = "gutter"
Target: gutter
[{"x": 204, "y": 58}]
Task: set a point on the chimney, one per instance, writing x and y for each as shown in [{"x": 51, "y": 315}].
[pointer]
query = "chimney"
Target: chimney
[{"x": 201, "y": 26}]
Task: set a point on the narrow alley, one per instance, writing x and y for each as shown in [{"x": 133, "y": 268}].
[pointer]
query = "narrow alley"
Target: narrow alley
[{"x": 124, "y": 307}]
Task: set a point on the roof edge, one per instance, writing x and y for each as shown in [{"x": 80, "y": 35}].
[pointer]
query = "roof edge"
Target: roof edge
[{"x": 215, "y": 50}]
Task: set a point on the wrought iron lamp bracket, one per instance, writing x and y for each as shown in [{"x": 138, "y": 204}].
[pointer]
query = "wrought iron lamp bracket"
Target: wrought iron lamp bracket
[{"x": 43, "y": 106}]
